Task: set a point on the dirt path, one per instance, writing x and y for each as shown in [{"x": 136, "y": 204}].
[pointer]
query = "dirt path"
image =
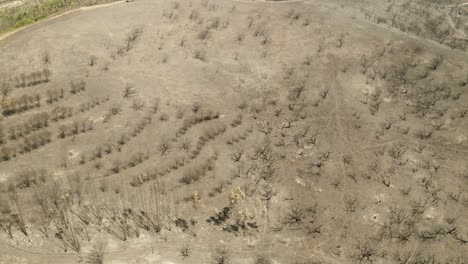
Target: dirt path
[
  {"x": 464, "y": 4},
  {"x": 84, "y": 8},
  {"x": 453, "y": 26},
  {"x": 12, "y": 3},
  {"x": 271, "y": 1},
  {"x": 129, "y": 253}
]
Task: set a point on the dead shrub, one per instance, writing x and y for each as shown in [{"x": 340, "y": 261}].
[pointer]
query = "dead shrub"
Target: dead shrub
[
  {"x": 137, "y": 104},
  {"x": 199, "y": 55},
  {"x": 76, "y": 87},
  {"x": 220, "y": 256}
]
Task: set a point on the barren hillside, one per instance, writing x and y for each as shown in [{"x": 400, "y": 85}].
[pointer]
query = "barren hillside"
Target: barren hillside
[{"x": 182, "y": 131}]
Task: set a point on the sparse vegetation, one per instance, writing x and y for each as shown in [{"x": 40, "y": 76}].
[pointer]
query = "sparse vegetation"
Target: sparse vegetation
[
  {"x": 96, "y": 256},
  {"x": 216, "y": 132},
  {"x": 76, "y": 87}
]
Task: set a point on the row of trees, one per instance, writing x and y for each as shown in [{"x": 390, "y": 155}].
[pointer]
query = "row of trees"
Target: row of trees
[
  {"x": 75, "y": 128},
  {"x": 33, "y": 78},
  {"x": 134, "y": 160},
  {"x": 76, "y": 87},
  {"x": 209, "y": 134},
  {"x": 26, "y": 102},
  {"x": 54, "y": 95},
  {"x": 41, "y": 120},
  {"x": 420, "y": 19},
  {"x": 30, "y": 177},
  {"x": 20, "y": 104},
  {"x": 28, "y": 144},
  {"x": 34, "y": 123},
  {"x": 86, "y": 106},
  {"x": 236, "y": 138},
  {"x": 61, "y": 112},
  {"x": 197, "y": 117},
  {"x": 197, "y": 171},
  {"x": 2, "y": 134},
  {"x": 123, "y": 139},
  {"x": 69, "y": 214},
  {"x": 34, "y": 141}
]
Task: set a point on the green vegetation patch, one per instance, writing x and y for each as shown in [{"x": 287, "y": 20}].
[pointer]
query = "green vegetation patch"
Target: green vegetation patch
[{"x": 30, "y": 12}]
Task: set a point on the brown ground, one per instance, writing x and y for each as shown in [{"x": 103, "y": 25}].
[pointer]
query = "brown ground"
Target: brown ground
[{"x": 331, "y": 138}]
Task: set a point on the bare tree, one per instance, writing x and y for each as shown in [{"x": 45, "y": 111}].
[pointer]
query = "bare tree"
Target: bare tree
[
  {"x": 155, "y": 102},
  {"x": 185, "y": 251},
  {"x": 365, "y": 253},
  {"x": 17, "y": 213},
  {"x": 138, "y": 104},
  {"x": 96, "y": 256},
  {"x": 220, "y": 256},
  {"x": 164, "y": 146},
  {"x": 340, "y": 40},
  {"x": 92, "y": 60},
  {"x": 350, "y": 204},
  {"x": 116, "y": 166},
  {"x": 46, "y": 57},
  {"x": 262, "y": 259},
  {"x": 5, "y": 90},
  {"x": 295, "y": 215},
  {"x": 237, "y": 154},
  {"x": 196, "y": 106},
  {"x": 6, "y": 221},
  {"x": 128, "y": 91},
  {"x": 46, "y": 73},
  {"x": 199, "y": 55}
]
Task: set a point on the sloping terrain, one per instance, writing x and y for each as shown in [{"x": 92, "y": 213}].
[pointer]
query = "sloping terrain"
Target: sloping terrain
[{"x": 234, "y": 132}]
